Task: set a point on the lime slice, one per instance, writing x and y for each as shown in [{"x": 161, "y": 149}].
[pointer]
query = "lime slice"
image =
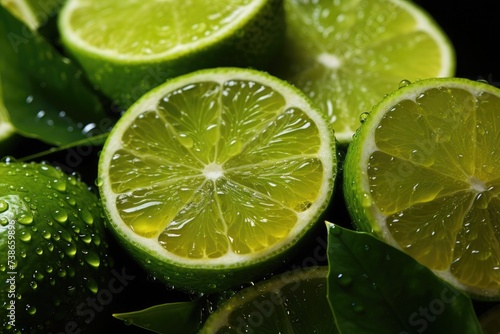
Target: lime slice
[
  {"x": 423, "y": 172},
  {"x": 128, "y": 47},
  {"x": 293, "y": 302},
  {"x": 347, "y": 54},
  {"x": 55, "y": 254},
  {"x": 211, "y": 178}
]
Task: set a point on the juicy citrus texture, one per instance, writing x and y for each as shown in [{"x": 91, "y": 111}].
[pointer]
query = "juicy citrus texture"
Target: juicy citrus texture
[
  {"x": 346, "y": 55},
  {"x": 220, "y": 168},
  {"x": 53, "y": 247},
  {"x": 129, "y": 47},
  {"x": 293, "y": 302},
  {"x": 423, "y": 172}
]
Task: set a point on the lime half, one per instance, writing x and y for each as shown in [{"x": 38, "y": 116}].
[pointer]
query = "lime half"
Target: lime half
[
  {"x": 212, "y": 177},
  {"x": 128, "y": 47},
  {"x": 293, "y": 302},
  {"x": 423, "y": 172},
  {"x": 347, "y": 54}
]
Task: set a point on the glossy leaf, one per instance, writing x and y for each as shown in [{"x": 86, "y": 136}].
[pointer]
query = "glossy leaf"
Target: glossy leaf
[
  {"x": 43, "y": 92},
  {"x": 375, "y": 288},
  {"x": 171, "y": 318}
]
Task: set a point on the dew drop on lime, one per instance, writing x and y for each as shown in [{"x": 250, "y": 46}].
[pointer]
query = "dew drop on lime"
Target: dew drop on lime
[
  {"x": 39, "y": 250},
  {"x": 25, "y": 236},
  {"x": 98, "y": 182},
  {"x": 4, "y": 221},
  {"x": 60, "y": 216},
  {"x": 404, "y": 83},
  {"x": 366, "y": 200},
  {"x": 234, "y": 147},
  {"x": 363, "y": 116},
  {"x": 92, "y": 258},
  {"x": 70, "y": 250},
  {"x": 4, "y": 206},
  {"x": 186, "y": 140},
  {"x": 26, "y": 219},
  {"x": 34, "y": 285},
  {"x": 92, "y": 285},
  {"x": 30, "y": 309},
  {"x": 86, "y": 216},
  {"x": 61, "y": 272},
  {"x": 86, "y": 238}
]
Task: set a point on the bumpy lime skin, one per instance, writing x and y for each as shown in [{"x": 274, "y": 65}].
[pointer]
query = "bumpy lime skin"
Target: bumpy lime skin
[{"x": 52, "y": 245}]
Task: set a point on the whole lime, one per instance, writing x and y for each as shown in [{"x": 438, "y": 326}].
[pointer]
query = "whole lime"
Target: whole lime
[{"x": 54, "y": 253}]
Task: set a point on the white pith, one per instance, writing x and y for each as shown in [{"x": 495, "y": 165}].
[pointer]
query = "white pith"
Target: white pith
[{"x": 214, "y": 171}]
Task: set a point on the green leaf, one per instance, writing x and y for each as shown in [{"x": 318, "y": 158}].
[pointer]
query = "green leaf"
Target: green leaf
[
  {"x": 375, "y": 288},
  {"x": 44, "y": 93},
  {"x": 171, "y": 318}
]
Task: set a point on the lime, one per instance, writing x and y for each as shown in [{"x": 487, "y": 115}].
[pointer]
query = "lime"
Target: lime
[
  {"x": 423, "y": 172},
  {"x": 347, "y": 54},
  {"x": 33, "y": 13},
  {"x": 128, "y": 47},
  {"x": 210, "y": 179},
  {"x": 54, "y": 254},
  {"x": 293, "y": 302}
]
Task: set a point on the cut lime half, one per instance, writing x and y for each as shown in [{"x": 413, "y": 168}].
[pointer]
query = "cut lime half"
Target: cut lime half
[
  {"x": 211, "y": 178},
  {"x": 128, "y": 47},
  {"x": 423, "y": 172},
  {"x": 347, "y": 54},
  {"x": 293, "y": 302}
]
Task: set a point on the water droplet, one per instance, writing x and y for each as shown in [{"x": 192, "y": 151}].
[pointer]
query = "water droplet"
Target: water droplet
[
  {"x": 366, "y": 200},
  {"x": 98, "y": 182},
  {"x": 59, "y": 185},
  {"x": 61, "y": 216},
  {"x": 4, "y": 206},
  {"x": 92, "y": 285},
  {"x": 25, "y": 236},
  {"x": 481, "y": 201},
  {"x": 71, "y": 249},
  {"x": 30, "y": 309},
  {"x": 367, "y": 247},
  {"x": 404, "y": 83},
  {"x": 186, "y": 140},
  {"x": 335, "y": 230},
  {"x": 86, "y": 216},
  {"x": 33, "y": 285},
  {"x": 26, "y": 219},
  {"x": 4, "y": 221},
  {"x": 343, "y": 280},
  {"x": 39, "y": 251},
  {"x": 363, "y": 116},
  {"x": 480, "y": 129},
  {"x": 92, "y": 258},
  {"x": 234, "y": 147},
  {"x": 61, "y": 272}
]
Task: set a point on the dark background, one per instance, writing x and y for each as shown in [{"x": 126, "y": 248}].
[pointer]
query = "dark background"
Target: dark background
[{"x": 474, "y": 30}]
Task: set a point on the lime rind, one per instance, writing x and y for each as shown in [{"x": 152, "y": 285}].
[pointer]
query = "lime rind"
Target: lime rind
[
  {"x": 231, "y": 266},
  {"x": 362, "y": 205}
]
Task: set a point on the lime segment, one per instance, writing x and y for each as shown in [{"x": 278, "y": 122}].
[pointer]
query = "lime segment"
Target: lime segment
[{"x": 220, "y": 168}]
